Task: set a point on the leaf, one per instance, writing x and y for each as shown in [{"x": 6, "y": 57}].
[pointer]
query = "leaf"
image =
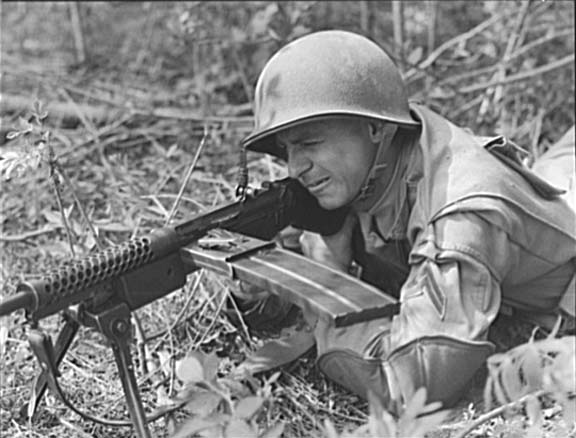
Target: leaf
[
  {"x": 533, "y": 411},
  {"x": 162, "y": 398},
  {"x": 190, "y": 369},
  {"x": 39, "y": 111},
  {"x": 569, "y": 411},
  {"x": 4, "y": 329},
  {"x": 165, "y": 359},
  {"x": 330, "y": 430},
  {"x": 24, "y": 126},
  {"x": 53, "y": 217},
  {"x": 380, "y": 422},
  {"x": 195, "y": 425},
  {"x": 203, "y": 403},
  {"x": 416, "y": 55},
  {"x": 275, "y": 431},
  {"x": 239, "y": 429},
  {"x": 248, "y": 406},
  {"x": 211, "y": 363},
  {"x": 262, "y": 19}
]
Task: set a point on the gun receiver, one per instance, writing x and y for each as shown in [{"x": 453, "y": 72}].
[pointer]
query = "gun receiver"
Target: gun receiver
[{"x": 263, "y": 214}]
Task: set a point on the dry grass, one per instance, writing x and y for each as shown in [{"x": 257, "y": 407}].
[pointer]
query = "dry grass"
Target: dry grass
[{"x": 128, "y": 167}]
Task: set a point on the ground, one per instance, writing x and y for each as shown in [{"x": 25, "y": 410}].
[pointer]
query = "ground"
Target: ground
[{"x": 131, "y": 98}]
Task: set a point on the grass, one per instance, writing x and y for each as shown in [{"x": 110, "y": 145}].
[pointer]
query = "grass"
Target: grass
[{"x": 127, "y": 169}]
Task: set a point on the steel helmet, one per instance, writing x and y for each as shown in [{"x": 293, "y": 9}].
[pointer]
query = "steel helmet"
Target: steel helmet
[{"x": 324, "y": 74}]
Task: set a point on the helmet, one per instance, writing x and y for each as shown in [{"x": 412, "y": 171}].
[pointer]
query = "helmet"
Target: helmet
[{"x": 326, "y": 74}]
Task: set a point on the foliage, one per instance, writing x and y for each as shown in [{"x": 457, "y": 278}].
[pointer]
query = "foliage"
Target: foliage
[
  {"x": 220, "y": 407},
  {"x": 534, "y": 369},
  {"x": 417, "y": 419},
  {"x": 123, "y": 165},
  {"x": 31, "y": 150}
]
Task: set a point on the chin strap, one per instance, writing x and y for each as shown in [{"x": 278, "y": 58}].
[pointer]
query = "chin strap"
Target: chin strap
[{"x": 378, "y": 166}]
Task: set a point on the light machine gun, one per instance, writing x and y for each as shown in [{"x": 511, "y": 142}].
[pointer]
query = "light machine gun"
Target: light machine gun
[{"x": 101, "y": 290}]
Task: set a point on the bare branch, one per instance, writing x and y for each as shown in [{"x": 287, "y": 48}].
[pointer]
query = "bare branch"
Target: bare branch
[{"x": 521, "y": 76}]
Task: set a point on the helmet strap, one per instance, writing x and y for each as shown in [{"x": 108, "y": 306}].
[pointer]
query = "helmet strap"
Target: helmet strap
[{"x": 380, "y": 164}]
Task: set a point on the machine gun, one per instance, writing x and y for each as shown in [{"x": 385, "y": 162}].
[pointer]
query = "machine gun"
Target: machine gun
[{"x": 101, "y": 290}]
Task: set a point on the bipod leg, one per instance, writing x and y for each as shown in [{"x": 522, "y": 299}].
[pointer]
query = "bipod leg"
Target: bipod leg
[
  {"x": 114, "y": 323},
  {"x": 65, "y": 338}
]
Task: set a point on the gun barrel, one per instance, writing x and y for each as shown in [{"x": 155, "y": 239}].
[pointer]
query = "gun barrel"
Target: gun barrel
[{"x": 22, "y": 300}]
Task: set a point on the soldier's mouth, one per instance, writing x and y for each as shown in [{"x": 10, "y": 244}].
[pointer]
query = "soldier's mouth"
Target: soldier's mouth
[{"x": 318, "y": 185}]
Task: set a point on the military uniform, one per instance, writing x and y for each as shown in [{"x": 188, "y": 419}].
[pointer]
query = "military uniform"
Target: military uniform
[
  {"x": 459, "y": 231},
  {"x": 463, "y": 234}
]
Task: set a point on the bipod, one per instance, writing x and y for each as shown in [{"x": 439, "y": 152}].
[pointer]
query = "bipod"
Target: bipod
[
  {"x": 50, "y": 358},
  {"x": 114, "y": 323}
]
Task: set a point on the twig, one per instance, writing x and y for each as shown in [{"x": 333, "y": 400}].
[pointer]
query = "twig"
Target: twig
[
  {"x": 184, "y": 309},
  {"x": 466, "y": 107},
  {"x": 27, "y": 235},
  {"x": 75, "y": 429},
  {"x": 521, "y": 76},
  {"x": 56, "y": 185},
  {"x": 535, "y": 153},
  {"x": 432, "y": 7},
  {"x": 513, "y": 39},
  {"x": 79, "y": 205},
  {"x": 365, "y": 18},
  {"x": 495, "y": 412},
  {"x": 537, "y": 42},
  {"x": 242, "y": 71},
  {"x": 458, "y": 40},
  {"x": 74, "y": 8},
  {"x": 187, "y": 177},
  {"x": 214, "y": 319},
  {"x": 398, "y": 20}
]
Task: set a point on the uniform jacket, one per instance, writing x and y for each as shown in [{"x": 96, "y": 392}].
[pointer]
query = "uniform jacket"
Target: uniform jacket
[{"x": 464, "y": 230}]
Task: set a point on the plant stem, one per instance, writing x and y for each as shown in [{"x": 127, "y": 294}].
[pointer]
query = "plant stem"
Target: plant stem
[
  {"x": 56, "y": 185},
  {"x": 187, "y": 177},
  {"x": 79, "y": 205}
]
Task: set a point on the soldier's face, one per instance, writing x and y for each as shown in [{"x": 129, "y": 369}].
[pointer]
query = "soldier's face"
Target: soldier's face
[{"x": 331, "y": 157}]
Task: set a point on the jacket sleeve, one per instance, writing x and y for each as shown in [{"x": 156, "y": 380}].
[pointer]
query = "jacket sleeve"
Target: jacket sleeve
[{"x": 451, "y": 297}]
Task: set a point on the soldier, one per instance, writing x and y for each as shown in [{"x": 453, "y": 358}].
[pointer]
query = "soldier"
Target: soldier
[{"x": 451, "y": 223}]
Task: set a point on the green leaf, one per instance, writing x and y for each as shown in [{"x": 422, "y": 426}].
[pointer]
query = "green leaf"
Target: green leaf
[{"x": 248, "y": 406}]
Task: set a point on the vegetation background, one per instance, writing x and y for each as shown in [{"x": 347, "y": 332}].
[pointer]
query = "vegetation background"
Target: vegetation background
[{"x": 134, "y": 91}]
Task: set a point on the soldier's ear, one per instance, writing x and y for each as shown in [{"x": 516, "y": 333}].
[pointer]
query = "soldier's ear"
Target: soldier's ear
[{"x": 379, "y": 131}]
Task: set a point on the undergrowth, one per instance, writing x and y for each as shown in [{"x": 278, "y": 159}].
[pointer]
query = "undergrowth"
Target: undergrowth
[{"x": 112, "y": 155}]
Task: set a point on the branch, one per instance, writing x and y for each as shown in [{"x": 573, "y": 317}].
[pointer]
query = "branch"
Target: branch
[
  {"x": 28, "y": 234},
  {"x": 521, "y": 76},
  {"x": 458, "y": 39},
  {"x": 100, "y": 113}
]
